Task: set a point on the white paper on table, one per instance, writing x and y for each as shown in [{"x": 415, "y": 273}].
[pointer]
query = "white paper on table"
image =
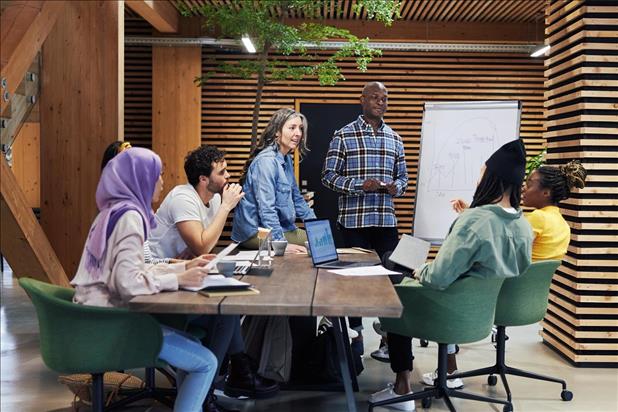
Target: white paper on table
[
  {"x": 247, "y": 255},
  {"x": 377, "y": 270},
  {"x": 216, "y": 280}
]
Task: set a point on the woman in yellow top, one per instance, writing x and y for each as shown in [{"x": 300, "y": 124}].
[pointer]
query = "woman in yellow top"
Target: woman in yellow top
[{"x": 544, "y": 188}]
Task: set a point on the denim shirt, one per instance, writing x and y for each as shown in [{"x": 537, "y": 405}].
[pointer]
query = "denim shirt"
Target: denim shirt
[{"x": 272, "y": 198}]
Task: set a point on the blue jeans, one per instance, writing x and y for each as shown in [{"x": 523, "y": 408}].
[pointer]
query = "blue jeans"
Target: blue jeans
[{"x": 196, "y": 368}]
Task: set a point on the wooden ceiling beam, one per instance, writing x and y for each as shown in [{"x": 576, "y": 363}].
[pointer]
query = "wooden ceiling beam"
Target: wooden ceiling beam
[
  {"x": 162, "y": 15},
  {"x": 436, "y": 31}
]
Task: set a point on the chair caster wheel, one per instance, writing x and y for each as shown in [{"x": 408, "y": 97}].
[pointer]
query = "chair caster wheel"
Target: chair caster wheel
[
  {"x": 566, "y": 395},
  {"x": 456, "y": 348},
  {"x": 492, "y": 380},
  {"x": 424, "y": 343},
  {"x": 507, "y": 408},
  {"x": 426, "y": 403}
]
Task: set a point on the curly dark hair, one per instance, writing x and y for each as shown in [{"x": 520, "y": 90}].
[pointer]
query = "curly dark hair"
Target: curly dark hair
[
  {"x": 199, "y": 162},
  {"x": 562, "y": 179}
]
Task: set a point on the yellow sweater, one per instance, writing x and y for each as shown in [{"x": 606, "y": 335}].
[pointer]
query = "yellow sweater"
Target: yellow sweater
[{"x": 551, "y": 233}]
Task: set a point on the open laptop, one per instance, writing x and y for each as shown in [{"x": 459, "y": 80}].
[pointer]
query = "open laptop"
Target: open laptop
[{"x": 322, "y": 246}]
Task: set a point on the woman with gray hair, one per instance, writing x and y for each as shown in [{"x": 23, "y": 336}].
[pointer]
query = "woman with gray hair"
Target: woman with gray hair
[{"x": 272, "y": 198}]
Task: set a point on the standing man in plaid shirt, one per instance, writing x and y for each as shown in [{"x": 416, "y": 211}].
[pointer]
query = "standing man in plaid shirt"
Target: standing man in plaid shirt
[{"x": 366, "y": 164}]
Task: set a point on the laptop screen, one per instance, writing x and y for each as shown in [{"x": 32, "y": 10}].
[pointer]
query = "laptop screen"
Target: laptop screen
[{"x": 321, "y": 241}]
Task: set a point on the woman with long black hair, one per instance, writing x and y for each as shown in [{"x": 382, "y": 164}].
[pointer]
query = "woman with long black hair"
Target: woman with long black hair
[{"x": 489, "y": 239}]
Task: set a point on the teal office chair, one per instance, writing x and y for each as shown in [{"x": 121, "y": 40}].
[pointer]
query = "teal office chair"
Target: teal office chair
[
  {"x": 463, "y": 313},
  {"x": 87, "y": 339},
  {"x": 522, "y": 301}
]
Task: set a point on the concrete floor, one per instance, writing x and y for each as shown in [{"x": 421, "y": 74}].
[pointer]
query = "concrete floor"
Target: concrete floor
[{"x": 28, "y": 386}]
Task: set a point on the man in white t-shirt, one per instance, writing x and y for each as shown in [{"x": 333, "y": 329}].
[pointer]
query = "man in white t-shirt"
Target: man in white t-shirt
[
  {"x": 189, "y": 223},
  {"x": 192, "y": 216}
]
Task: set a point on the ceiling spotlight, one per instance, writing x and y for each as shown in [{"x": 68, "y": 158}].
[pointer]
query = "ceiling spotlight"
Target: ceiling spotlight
[
  {"x": 540, "y": 50},
  {"x": 246, "y": 41}
]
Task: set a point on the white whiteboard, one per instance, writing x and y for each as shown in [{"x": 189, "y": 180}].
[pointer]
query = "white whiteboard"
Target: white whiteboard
[{"x": 456, "y": 140}]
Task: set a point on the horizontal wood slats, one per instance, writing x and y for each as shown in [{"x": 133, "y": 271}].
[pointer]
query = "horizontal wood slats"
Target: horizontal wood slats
[
  {"x": 411, "y": 77},
  {"x": 581, "y": 102},
  {"x": 137, "y": 84},
  {"x": 453, "y": 10}
]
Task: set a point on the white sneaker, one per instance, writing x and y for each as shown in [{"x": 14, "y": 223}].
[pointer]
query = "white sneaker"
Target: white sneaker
[
  {"x": 389, "y": 393},
  {"x": 381, "y": 354},
  {"x": 430, "y": 377},
  {"x": 325, "y": 321},
  {"x": 377, "y": 326}
]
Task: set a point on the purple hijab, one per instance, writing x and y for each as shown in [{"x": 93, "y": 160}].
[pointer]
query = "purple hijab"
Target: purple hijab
[{"x": 127, "y": 183}]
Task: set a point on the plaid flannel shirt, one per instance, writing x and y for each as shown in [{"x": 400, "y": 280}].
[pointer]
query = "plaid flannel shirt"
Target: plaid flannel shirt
[{"x": 355, "y": 154}]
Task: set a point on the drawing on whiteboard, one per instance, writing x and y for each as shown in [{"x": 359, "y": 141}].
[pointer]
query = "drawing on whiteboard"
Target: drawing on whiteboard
[{"x": 458, "y": 152}]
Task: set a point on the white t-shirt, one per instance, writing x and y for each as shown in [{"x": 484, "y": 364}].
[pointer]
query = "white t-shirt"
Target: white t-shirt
[{"x": 182, "y": 204}]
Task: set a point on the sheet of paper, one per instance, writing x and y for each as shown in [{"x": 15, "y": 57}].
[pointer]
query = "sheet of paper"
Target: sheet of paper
[
  {"x": 216, "y": 280},
  {"x": 410, "y": 252},
  {"x": 377, "y": 270},
  {"x": 221, "y": 255},
  {"x": 246, "y": 255}
]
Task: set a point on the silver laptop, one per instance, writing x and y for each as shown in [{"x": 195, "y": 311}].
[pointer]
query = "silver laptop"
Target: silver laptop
[{"x": 322, "y": 246}]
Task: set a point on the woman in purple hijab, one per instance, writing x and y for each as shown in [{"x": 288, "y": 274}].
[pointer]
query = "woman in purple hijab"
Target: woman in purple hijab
[{"x": 112, "y": 269}]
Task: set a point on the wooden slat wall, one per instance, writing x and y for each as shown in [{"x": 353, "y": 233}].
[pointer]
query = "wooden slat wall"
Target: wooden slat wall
[
  {"x": 137, "y": 84},
  {"x": 582, "y": 123},
  {"x": 411, "y": 77}
]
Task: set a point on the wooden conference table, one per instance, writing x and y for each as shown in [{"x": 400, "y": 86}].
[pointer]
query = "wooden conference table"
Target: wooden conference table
[{"x": 295, "y": 288}]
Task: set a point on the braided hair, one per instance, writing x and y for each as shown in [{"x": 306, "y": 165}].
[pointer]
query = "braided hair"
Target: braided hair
[
  {"x": 269, "y": 136},
  {"x": 492, "y": 187},
  {"x": 560, "y": 180}
]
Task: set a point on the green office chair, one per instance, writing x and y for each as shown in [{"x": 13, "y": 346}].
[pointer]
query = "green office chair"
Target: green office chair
[
  {"x": 522, "y": 301},
  {"x": 463, "y": 313},
  {"x": 87, "y": 339}
]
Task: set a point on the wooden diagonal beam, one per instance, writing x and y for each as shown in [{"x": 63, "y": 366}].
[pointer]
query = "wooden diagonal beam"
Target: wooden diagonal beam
[
  {"x": 161, "y": 14},
  {"x": 23, "y": 242},
  {"x": 19, "y": 53}
]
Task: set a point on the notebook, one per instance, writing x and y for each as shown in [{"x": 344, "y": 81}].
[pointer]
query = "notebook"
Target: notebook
[
  {"x": 216, "y": 294},
  {"x": 322, "y": 245},
  {"x": 411, "y": 252},
  {"x": 214, "y": 283}
]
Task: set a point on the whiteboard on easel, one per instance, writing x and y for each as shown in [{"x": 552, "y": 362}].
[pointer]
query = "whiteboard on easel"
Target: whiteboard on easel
[{"x": 456, "y": 140}]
